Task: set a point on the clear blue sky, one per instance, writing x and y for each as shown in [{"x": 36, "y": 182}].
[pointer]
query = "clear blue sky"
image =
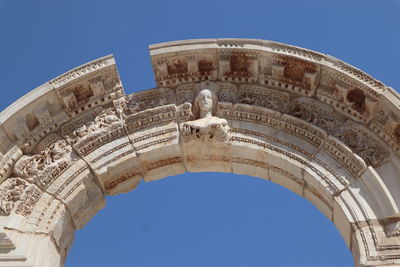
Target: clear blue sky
[{"x": 201, "y": 219}]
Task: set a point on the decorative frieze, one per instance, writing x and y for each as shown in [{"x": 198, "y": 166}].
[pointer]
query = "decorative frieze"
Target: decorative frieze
[
  {"x": 185, "y": 67},
  {"x": 45, "y": 166},
  {"x": 293, "y": 74},
  {"x": 93, "y": 84},
  {"x": 7, "y": 162},
  {"x": 238, "y": 65},
  {"x": 93, "y": 129},
  {"x": 264, "y": 97},
  {"x": 347, "y": 95},
  {"x": 148, "y": 99},
  {"x": 19, "y": 196},
  {"x": 36, "y": 126}
]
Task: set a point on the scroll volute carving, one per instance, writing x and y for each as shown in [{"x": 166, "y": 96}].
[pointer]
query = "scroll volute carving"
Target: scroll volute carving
[{"x": 204, "y": 126}]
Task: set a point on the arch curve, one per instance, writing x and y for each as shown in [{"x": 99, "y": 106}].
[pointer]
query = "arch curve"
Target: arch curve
[{"x": 304, "y": 120}]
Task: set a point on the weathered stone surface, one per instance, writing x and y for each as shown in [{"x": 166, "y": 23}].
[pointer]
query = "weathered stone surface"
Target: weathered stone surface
[{"x": 311, "y": 123}]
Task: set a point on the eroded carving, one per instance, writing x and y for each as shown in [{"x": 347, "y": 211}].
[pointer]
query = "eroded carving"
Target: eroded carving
[
  {"x": 42, "y": 168},
  {"x": 147, "y": 99},
  {"x": 18, "y": 195},
  {"x": 186, "y": 66},
  {"x": 238, "y": 65},
  {"x": 317, "y": 113},
  {"x": 97, "y": 122},
  {"x": 98, "y": 84},
  {"x": 263, "y": 97},
  {"x": 360, "y": 140},
  {"x": 348, "y": 96},
  {"x": 35, "y": 126}
]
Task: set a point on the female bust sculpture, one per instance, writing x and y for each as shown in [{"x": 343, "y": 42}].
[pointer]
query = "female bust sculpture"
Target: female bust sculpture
[{"x": 206, "y": 127}]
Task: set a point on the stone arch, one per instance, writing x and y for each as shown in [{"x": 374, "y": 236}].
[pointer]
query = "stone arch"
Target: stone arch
[{"x": 307, "y": 121}]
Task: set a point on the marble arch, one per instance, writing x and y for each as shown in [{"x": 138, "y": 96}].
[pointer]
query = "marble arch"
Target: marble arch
[{"x": 305, "y": 120}]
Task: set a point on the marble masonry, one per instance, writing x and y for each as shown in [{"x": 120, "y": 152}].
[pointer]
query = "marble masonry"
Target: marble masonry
[{"x": 307, "y": 121}]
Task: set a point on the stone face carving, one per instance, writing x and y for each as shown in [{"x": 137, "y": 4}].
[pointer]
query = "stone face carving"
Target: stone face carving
[
  {"x": 205, "y": 127},
  {"x": 19, "y": 196}
]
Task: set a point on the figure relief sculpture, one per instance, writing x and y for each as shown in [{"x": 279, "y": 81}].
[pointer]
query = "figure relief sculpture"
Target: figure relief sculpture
[
  {"x": 205, "y": 127},
  {"x": 30, "y": 166},
  {"x": 106, "y": 119},
  {"x": 19, "y": 196}
]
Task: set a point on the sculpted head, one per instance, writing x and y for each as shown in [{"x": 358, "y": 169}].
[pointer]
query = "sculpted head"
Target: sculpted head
[{"x": 204, "y": 104}]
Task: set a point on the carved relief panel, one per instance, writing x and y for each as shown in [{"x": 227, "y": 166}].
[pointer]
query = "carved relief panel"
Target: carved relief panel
[
  {"x": 347, "y": 95},
  {"x": 185, "y": 67},
  {"x": 289, "y": 73},
  {"x": 238, "y": 65},
  {"x": 96, "y": 83},
  {"x": 140, "y": 101},
  {"x": 19, "y": 196},
  {"x": 51, "y": 158},
  {"x": 386, "y": 124},
  {"x": 263, "y": 97}
]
